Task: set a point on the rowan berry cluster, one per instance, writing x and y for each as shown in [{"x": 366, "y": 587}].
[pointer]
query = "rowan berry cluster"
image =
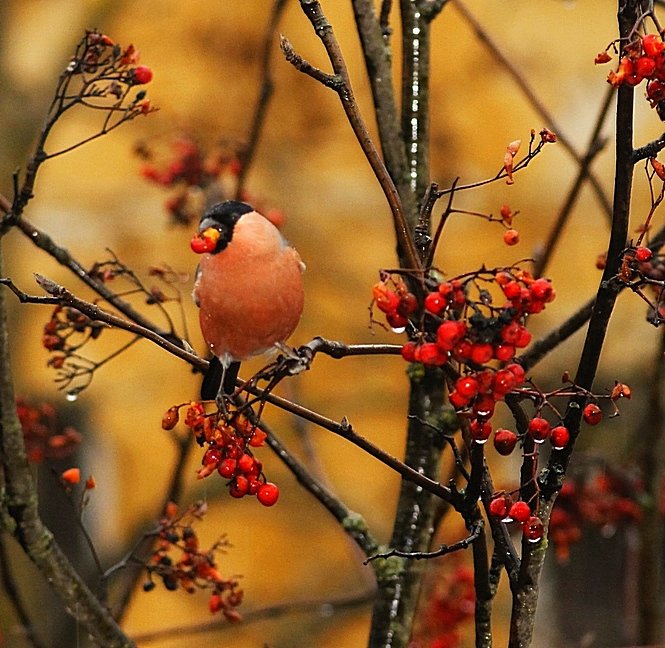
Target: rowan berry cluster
[
  {"x": 43, "y": 435},
  {"x": 66, "y": 331},
  {"x": 601, "y": 498},
  {"x": 450, "y": 603},
  {"x": 228, "y": 441},
  {"x": 644, "y": 273},
  {"x": 505, "y": 508},
  {"x": 194, "y": 568},
  {"x": 105, "y": 71},
  {"x": 642, "y": 59},
  {"x": 188, "y": 169}
]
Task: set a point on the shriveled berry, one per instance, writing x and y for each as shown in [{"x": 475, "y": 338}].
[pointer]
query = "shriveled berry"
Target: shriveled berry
[
  {"x": 511, "y": 237},
  {"x": 170, "y": 418}
]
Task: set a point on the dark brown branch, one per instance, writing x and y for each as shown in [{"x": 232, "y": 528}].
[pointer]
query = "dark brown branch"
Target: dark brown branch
[
  {"x": 263, "y": 100},
  {"x": 443, "y": 549},
  {"x": 324, "y": 31},
  {"x": 378, "y": 63},
  {"x": 649, "y": 150},
  {"x": 21, "y": 517},
  {"x": 322, "y": 607}
]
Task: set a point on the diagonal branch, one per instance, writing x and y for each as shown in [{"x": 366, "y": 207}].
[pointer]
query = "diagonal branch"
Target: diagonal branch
[{"x": 324, "y": 31}]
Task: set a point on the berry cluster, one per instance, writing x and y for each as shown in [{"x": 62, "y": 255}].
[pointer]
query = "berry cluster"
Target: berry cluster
[
  {"x": 450, "y": 603},
  {"x": 42, "y": 434},
  {"x": 504, "y": 508},
  {"x": 188, "y": 169},
  {"x": 195, "y": 568},
  {"x": 66, "y": 331},
  {"x": 459, "y": 323},
  {"x": 602, "y": 499},
  {"x": 644, "y": 273},
  {"x": 229, "y": 442},
  {"x": 642, "y": 59}
]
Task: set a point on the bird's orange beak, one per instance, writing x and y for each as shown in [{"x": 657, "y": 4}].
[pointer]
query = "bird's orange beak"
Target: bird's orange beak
[{"x": 205, "y": 241}]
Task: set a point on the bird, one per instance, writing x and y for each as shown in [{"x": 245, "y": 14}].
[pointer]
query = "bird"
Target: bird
[{"x": 248, "y": 287}]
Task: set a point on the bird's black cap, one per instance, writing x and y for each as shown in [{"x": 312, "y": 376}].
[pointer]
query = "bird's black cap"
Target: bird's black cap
[{"x": 223, "y": 217}]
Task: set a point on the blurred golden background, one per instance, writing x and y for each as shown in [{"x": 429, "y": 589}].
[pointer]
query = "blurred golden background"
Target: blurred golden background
[{"x": 204, "y": 55}]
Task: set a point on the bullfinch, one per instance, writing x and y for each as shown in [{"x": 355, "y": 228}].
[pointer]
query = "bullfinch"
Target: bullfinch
[{"x": 248, "y": 288}]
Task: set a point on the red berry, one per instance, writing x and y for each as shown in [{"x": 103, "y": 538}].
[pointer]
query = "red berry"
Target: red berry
[
  {"x": 645, "y": 66},
  {"x": 559, "y": 437},
  {"x": 539, "y": 429},
  {"x": 484, "y": 406},
  {"x": 533, "y": 529},
  {"x": 409, "y": 351},
  {"x": 239, "y": 486},
  {"x": 505, "y": 441},
  {"x": 385, "y": 298},
  {"x": 523, "y": 338},
  {"x": 504, "y": 352},
  {"x": 511, "y": 290},
  {"x": 652, "y": 45},
  {"x": 481, "y": 352},
  {"x": 450, "y": 333},
  {"x": 407, "y": 304},
  {"x": 480, "y": 430},
  {"x": 457, "y": 400},
  {"x": 499, "y": 506},
  {"x": 592, "y": 414},
  {"x": 435, "y": 302},
  {"x": 432, "y": 354},
  {"x": 643, "y": 254},
  {"x": 201, "y": 244},
  {"x": 467, "y": 386},
  {"x": 211, "y": 457},
  {"x": 504, "y": 382},
  {"x": 227, "y": 467},
  {"x": 541, "y": 289},
  {"x": 268, "y": 494},
  {"x": 511, "y": 237},
  {"x": 655, "y": 91},
  {"x": 246, "y": 463},
  {"x": 462, "y": 351},
  {"x": 520, "y": 511},
  {"x": 510, "y": 333},
  {"x": 396, "y": 321},
  {"x": 518, "y": 371},
  {"x": 141, "y": 75}
]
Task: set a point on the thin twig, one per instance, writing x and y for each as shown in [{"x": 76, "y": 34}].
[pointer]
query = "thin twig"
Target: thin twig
[
  {"x": 322, "y": 607},
  {"x": 532, "y": 97},
  {"x": 443, "y": 549},
  {"x": 263, "y": 100},
  {"x": 324, "y": 31}
]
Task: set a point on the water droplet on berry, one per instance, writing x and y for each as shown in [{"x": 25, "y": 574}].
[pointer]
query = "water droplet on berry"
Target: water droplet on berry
[
  {"x": 480, "y": 441},
  {"x": 72, "y": 396},
  {"x": 539, "y": 440},
  {"x": 534, "y": 540},
  {"x": 398, "y": 329}
]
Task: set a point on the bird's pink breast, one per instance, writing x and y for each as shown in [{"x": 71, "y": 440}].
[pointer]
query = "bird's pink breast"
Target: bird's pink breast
[{"x": 251, "y": 294}]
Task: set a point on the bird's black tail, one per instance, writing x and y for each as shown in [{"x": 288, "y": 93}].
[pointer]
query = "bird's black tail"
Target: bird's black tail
[{"x": 215, "y": 375}]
